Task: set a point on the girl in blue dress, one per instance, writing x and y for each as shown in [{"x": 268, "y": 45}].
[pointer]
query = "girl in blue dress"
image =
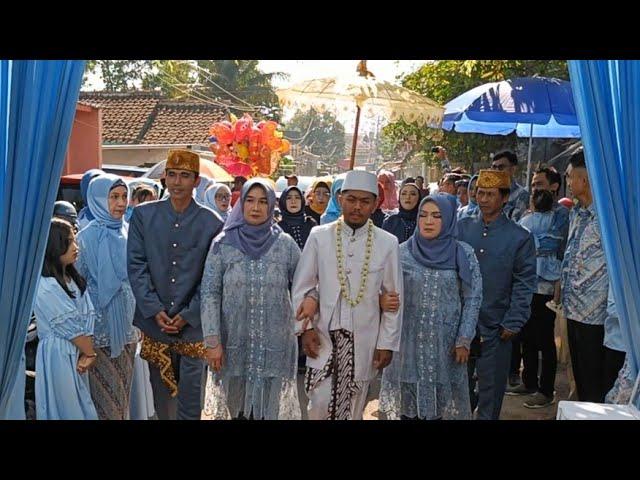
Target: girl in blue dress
[{"x": 65, "y": 318}]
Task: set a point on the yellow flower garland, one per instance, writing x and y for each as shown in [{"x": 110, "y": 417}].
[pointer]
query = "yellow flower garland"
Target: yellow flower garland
[{"x": 365, "y": 268}]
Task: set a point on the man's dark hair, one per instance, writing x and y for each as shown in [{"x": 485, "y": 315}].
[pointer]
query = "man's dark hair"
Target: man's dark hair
[
  {"x": 57, "y": 245},
  {"x": 407, "y": 180},
  {"x": 143, "y": 193},
  {"x": 552, "y": 175},
  {"x": 505, "y": 192},
  {"x": 577, "y": 160},
  {"x": 542, "y": 200},
  {"x": 509, "y": 155},
  {"x": 451, "y": 178},
  {"x": 420, "y": 177}
]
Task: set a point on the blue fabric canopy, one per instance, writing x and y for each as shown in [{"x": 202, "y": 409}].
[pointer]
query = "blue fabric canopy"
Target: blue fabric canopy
[
  {"x": 607, "y": 95},
  {"x": 500, "y": 108},
  {"x": 37, "y": 107}
]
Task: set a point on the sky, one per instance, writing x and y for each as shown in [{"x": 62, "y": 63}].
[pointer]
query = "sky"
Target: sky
[{"x": 300, "y": 70}]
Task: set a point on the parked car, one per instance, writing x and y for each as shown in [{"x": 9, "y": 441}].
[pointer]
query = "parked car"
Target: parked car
[
  {"x": 69, "y": 189},
  {"x": 125, "y": 170}
]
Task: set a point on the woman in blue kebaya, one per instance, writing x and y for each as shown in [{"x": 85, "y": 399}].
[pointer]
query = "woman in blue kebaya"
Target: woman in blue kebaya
[
  {"x": 65, "y": 328},
  {"x": 427, "y": 379},
  {"x": 103, "y": 262},
  {"x": 250, "y": 344}
]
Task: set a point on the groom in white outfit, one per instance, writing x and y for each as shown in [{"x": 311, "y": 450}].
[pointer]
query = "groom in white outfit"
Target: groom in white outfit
[{"x": 344, "y": 267}]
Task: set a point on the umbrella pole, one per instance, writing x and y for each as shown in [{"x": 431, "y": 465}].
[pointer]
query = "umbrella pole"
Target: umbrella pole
[
  {"x": 526, "y": 186},
  {"x": 355, "y": 140}
]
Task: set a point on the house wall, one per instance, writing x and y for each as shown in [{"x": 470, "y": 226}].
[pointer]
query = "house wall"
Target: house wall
[{"x": 84, "y": 151}]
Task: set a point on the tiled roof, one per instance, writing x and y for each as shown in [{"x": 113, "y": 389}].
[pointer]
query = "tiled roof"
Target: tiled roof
[
  {"x": 145, "y": 117},
  {"x": 182, "y": 123}
]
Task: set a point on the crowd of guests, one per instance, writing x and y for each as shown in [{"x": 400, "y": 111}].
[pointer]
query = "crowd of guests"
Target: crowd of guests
[{"x": 445, "y": 294}]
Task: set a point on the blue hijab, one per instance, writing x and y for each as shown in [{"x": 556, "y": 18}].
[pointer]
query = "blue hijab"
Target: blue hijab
[
  {"x": 110, "y": 245},
  {"x": 84, "y": 185},
  {"x": 252, "y": 240},
  {"x": 199, "y": 191},
  {"x": 210, "y": 199},
  {"x": 442, "y": 252},
  {"x": 334, "y": 210}
]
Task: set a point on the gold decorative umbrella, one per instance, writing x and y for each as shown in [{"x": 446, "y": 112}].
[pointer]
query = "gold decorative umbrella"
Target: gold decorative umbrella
[{"x": 392, "y": 101}]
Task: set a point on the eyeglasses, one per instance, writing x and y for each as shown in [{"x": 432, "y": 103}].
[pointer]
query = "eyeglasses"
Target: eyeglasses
[
  {"x": 321, "y": 194},
  {"x": 498, "y": 166},
  {"x": 223, "y": 197}
]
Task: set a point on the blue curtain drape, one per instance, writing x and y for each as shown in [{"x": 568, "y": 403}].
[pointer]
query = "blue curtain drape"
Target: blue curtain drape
[
  {"x": 37, "y": 107},
  {"x": 607, "y": 97}
]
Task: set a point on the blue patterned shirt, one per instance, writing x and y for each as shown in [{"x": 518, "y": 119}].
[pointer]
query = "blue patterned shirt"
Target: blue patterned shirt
[
  {"x": 585, "y": 282},
  {"x": 469, "y": 210},
  {"x": 518, "y": 202}
]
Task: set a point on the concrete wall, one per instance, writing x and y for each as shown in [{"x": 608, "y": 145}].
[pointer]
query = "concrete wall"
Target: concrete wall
[
  {"x": 140, "y": 157},
  {"x": 134, "y": 157}
]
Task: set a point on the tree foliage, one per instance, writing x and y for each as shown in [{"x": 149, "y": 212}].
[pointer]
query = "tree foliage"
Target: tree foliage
[
  {"x": 318, "y": 133},
  {"x": 444, "y": 80},
  {"x": 239, "y": 84},
  {"x": 118, "y": 75}
]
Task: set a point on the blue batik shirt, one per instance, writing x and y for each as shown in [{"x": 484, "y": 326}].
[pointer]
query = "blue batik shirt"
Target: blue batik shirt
[
  {"x": 612, "y": 333},
  {"x": 585, "y": 282}
]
